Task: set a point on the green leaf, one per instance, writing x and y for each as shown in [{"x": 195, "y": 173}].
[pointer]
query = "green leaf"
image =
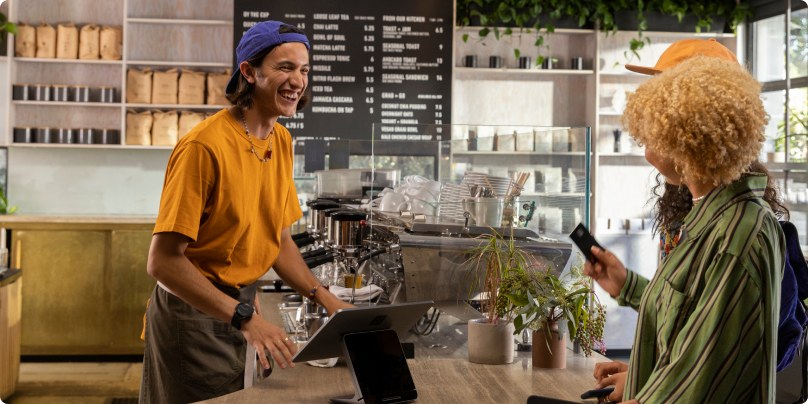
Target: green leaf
[
  {"x": 516, "y": 53},
  {"x": 465, "y": 37}
]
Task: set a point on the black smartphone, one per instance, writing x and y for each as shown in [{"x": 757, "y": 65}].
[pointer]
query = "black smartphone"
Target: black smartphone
[
  {"x": 597, "y": 393},
  {"x": 584, "y": 240}
]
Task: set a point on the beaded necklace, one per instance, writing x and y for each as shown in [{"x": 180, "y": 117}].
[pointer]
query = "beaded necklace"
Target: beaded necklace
[{"x": 268, "y": 153}]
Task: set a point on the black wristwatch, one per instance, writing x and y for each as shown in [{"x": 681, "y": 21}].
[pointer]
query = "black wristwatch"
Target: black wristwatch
[{"x": 244, "y": 312}]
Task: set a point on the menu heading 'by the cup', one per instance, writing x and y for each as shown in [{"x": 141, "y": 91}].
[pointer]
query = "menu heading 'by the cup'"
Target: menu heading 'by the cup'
[{"x": 372, "y": 62}]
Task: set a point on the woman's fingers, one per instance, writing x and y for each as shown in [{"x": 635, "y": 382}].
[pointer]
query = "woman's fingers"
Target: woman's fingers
[{"x": 606, "y": 381}]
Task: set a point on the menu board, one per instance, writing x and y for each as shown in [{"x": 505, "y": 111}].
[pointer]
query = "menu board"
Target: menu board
[{"x": 372, "y": 62}]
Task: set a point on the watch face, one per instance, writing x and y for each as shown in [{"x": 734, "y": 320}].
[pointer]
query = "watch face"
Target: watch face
[{"x": 244, "y": 310}]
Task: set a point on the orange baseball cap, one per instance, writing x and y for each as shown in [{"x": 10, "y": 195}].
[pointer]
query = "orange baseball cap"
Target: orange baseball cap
[{"x": 685, "y": 49}]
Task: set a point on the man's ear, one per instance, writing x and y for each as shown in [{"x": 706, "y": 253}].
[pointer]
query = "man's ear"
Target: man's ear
[{"x": 247, "y": 71}]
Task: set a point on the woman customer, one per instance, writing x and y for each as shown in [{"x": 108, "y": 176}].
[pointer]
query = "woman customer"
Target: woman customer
[{"x": 707, "y": 320}]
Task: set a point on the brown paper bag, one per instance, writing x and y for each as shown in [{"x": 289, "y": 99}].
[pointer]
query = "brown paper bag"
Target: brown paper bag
[
  {"x": 45, "y": 41},
  {"x": 110, "y": 42},
  {"x": 164, "y": 128},
  {"x": 217, "y": 82},
  {"x": 164, "y": 87},
  {"x": 138, "y": 128},
  {"x": 188, "y": 120},
  {"x": 67, "y": 41},
  {"x": 88, "y": 42},
  {"x": 139, "y": 86},
  {"x": 25, "y": 41},
  {"x": 192, "y": 88}
]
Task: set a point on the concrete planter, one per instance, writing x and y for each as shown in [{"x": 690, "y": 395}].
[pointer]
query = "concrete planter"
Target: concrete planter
[{"x": 490, "y": 344}]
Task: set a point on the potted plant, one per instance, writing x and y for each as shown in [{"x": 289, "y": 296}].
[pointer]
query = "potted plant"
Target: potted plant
[
  {"x": 490, "y": 339},
  {"x": 548, "y": 304}
]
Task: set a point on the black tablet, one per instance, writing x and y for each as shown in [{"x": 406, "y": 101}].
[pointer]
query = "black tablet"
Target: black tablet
[
  {"x": 327, "y": 341},
  {"x": 379, "y": 367}
]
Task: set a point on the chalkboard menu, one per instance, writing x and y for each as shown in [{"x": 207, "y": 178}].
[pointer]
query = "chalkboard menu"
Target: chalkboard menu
[{"x": 385, "y": 62}]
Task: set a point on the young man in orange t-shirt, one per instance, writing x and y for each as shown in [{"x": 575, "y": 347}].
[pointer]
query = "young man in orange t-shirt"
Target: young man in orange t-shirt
[{"x": 227, "y": 204}]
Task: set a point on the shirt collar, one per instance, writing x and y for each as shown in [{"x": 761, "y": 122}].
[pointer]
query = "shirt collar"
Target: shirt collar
[{"x": 751, "y": 185}]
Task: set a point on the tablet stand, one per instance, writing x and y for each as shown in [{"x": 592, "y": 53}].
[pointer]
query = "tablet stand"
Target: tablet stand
[{"x": 358, "y": 368}]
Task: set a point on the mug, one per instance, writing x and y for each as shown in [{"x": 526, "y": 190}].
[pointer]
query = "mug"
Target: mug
[
  {"x": 470, "y": 61},
  {"x": 525, "y": 62},
  {"x": 495, "y": 62},
  {"x": 484, "y": 211}
]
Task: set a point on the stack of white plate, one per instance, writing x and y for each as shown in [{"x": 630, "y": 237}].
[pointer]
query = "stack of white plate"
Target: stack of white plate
[
  {"x": 500, "y": 185},
  {"x": 451, "y": 201},
  {"x": 452, "y": 195}
]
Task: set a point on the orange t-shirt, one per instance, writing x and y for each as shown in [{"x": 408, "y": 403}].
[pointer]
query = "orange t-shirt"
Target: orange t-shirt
[{"x": 231, "y": 205}]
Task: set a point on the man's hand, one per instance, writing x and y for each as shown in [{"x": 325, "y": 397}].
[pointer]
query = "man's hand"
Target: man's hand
[
  {"x": 607, "y": 271},
  {"x": 262, "y": 336}
]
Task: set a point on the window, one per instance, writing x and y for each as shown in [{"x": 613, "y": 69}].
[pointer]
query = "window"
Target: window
[{"x": 779, "y": 49}]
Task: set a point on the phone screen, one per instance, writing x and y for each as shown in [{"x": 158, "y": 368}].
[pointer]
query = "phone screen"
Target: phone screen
[{"x": 584, "y": 240}]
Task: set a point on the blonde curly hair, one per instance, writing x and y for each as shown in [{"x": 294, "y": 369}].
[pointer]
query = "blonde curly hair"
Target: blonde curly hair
[{"x": 705, "y": 114}]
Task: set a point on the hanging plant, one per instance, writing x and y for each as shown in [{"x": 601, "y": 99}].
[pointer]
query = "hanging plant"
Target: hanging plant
[{"x": 501, "y": 17}]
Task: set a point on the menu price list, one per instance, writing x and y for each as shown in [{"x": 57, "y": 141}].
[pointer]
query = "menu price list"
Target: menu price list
[{"x": 387, "y": 63}]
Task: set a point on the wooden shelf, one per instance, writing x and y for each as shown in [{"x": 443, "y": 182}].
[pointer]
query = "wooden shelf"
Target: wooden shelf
[
  {"x": 621, "y": 155},
  {"x": 69, "y": 61},
  {"x": 555, "y": 194},
  {"x": 85, "y": 146},
  {"x": 517, "y": 31},
  {"x": 775, "y": 166},
  {"x": 628, "y": 74},
  {"x": 177, "y": 63},
  {"x": 176, "y": 106},
  {"x": 69, "y": 104},
  {"x": 504, "y": 71},
  {"x": 178, "y": 21},
  {"x": 517, "y": 153}
]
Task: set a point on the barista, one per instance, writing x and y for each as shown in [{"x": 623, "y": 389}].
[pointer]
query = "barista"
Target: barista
[{"x": 227, "y": 204}]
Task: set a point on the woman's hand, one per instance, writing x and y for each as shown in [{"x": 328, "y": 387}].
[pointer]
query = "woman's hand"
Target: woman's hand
[
  {"x": 604, "y": 369},
  {"x": 607, "y": 271},
  {"x": 611, "y": 374}
]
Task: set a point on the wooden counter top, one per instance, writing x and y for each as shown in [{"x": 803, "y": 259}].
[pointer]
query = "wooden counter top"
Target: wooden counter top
[
  {"x": 438, "y": 379},
  {"x": 43, "y": 222}
]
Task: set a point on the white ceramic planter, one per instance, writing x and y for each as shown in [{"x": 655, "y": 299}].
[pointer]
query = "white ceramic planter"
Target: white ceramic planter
[{"x": 490, "y": 344}]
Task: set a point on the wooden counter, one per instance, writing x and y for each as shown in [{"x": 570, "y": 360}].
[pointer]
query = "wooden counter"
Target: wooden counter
[
  {"x": 86, "y": 284},
  {"x": 42, "y": 222},
  {"x": 10, "y": 285},
  {"x": 441, "y": 375}
]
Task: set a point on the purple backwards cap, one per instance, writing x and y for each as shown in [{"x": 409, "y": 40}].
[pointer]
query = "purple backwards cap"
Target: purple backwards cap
[{"x": 259, "y": 38}]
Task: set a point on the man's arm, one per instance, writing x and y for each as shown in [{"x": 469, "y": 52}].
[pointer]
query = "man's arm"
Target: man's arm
[
  {"x": 294, "y": 271},
  {"x": 168, "y": 264}
]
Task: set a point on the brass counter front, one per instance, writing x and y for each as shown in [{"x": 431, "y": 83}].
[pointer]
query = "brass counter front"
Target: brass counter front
[{"x": 86, "y": 283}]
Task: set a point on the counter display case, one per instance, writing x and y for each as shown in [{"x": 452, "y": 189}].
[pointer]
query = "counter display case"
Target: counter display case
[{"x": 413, "y": 239}]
